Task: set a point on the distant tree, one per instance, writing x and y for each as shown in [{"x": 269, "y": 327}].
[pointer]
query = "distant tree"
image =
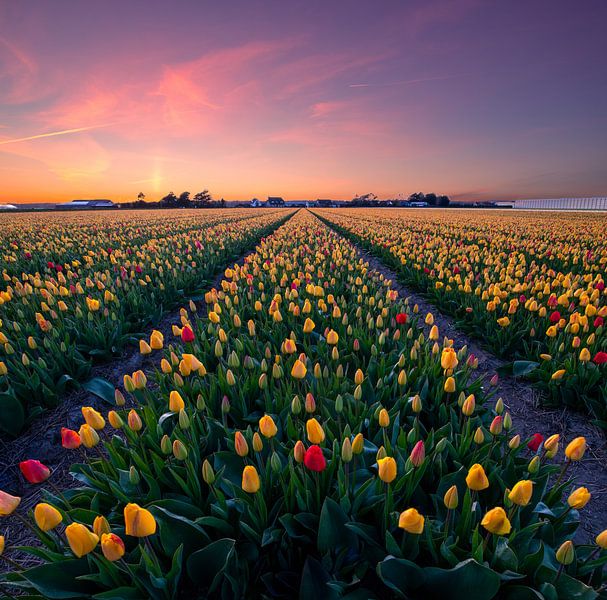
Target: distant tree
[
  {"x": 203, "y": 199},
  {"x": 140, "y": 197},
  {"x": 417, "y": 197},
  {"x": 169, "y": 201},
  {"x": 222, "y": 203},
  {"x": 431, "y": 199},
  {"x": 443, "y": 201},
  {"x": 183, "y": 200}
]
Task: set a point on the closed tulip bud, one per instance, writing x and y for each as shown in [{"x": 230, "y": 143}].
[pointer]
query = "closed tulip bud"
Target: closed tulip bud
[
  {"x": 579, "y": 498},
  {"x": 139, "y": 521},
  {"x": 129, "y": 384},
  {"x": 411, "y": 521},
  {"x": 534, "y": 465},
  {"x": 180, "y": 452},
  {"x": 275, "y": 463},
  {"x": 558, "y": 375},
  {"x": 257, "y": 442},
  {"x": 8, "y": 504},
  {"x": 418, "y": 454},
  {"x": 225, "y": 405},
  {"x": 82, "y": 541},
  {"x": 402, "y": 378},
  {"x": 479, "y": 436},
  {"x": 451, "y": 498},
  {"x": 416, "y": 404},
  {"x": 495, "y": 521},
  {"x": 134, "y": 477},
  {"x": 387, "y": 469},
  {"x": 381, "y": 453},
  {"x": 521, "y": 492},
  {"x": 240, "y": 444},
  {"x": 88, "y": 436},
  {"x": 358, "y": 443},
  {"x": 101, "y": 526},
  {"x": 93, "y": 418},
  {"x": 208, "y": 475},
  {"x": 250, "y": 480},
  {"x": 140, "y": 380},
  {"x": 359, "y": 377},
  {"x": 469, "y": 405},
  {"x": 515, "y": 442},
  {"x": 346, "y": 450},
  {"x": 134, "y": 420},
  {"x": 310, "y": 403},
  {"x": 267, "y": 426},
  {"x": 299, "y": 451},
  {"x": 566, "y": 553},
  {"x": 176, "y": 402},
  {"x": 476, "y": 479},
  {"x": 339, "y": 404},
  {"x": 496, "y": 426},
  {"x": 165, "y": 444},
  {"x": 115, "y": 420},
  {"x": 299, "y": 370},
  {"x": 47, "y": 517},
  {"x": 119, "y": 398},
  {"x": 499, "y": 406},
  {"x": 296, "y": 405},
  {"x": 315, "y": 432},
  {"x": 112, "y": 547},
  {"x": 384, "y": 418},
  {"x": 156, "y": 340},
  {"x": 449, "y": 386},
  {"x": 552, "y": 443},
  {"x": 449, "y": 359},
  {"x": 332, "y": 337},
  {"x": 507, "y": 421},
  {"x": 601, "y": 539},
  {"x": 576, "y": 448},
  {"x": 144, "y": 347}
]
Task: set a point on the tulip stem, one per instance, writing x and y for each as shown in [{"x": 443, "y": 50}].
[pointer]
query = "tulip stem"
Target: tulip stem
[
  {"x": 59, "y": 493},
  {"x": 448, "y": 518}
]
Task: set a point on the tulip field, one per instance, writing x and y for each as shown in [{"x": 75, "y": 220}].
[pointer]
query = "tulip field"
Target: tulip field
[
  {"x": 81, "y": 287},
  {"x": 303, "y": 433},
  {"x": 531, "y": 287}
]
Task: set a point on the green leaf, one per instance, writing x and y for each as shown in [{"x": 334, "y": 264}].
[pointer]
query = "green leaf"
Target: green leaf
[
  {"x": 314, "y": 580},
  {"x": 121, "y": 593},
  {"x": 101, "y": 388},
  {"x": 332, "y": 532},
  {"x": 12, "y": 415},
  {"x": 521, "y": 368},
  {"x": 401, "y": 575},
  {"x": 206, "y": 566},
  {"x": 59, "y": 580},
  {"x": 467, "y": 581},
  {"x": 176, "y": 530}
]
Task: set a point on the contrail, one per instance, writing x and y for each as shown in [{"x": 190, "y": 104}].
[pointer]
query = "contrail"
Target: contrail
[
  {"x": 404, "y": 82},
  {"x": 53, "y": 133}
]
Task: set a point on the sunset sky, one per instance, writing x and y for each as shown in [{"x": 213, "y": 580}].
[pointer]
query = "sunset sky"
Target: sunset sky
[{"x": 477, "y": 99}]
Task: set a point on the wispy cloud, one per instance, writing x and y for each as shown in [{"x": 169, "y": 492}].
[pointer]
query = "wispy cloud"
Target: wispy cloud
[
  {"x": 52, "y": 134},
  {"x": 404, "y": 81}
]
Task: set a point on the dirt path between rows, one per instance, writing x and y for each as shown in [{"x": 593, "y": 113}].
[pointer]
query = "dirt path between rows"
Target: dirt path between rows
[
  {"x": 521, "y": 399},
  {"x": 42, "y": 441}
]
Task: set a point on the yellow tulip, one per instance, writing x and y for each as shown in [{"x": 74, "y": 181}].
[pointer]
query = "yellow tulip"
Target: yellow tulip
[
  {"x": 476, "y": 478},
  {"x": 139, "y": 522},
  {"x": 82, "y": 540},
  {"x": 576, "y": 448},
  {"x": 250, "y": 480},
  {"x": 521, "y": 492},
  {"x": 451, "y": 498},
  {"x": 47, "y": 517},
  {"x": 411, "y": 521},
  {"x": 387, "y": 469},
  {"x": 299, "y": 370},
  {"x": 112, "y": 547},
  {"x": 176, "y": 402},
  {"x": 267, "y": 426},
  {"x": 579, "y": 498},
  {"x": 495, "y": 521},
  {"x": 315, "y": 432},
  {"x": 93, "y": 418}
]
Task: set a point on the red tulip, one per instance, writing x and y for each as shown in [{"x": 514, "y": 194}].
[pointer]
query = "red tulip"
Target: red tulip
[
  {"x": 70, "y": 439},
  {"x": 535, "y": 442},
  {"x": 418, "y": 454},
  {"x": 555, "y": 317},
  {"x": 34, "y": 471},
  {"x": 598, "y": 321},
  {"x": 314, "y": 459},
  {"x": 600, "y": 358},
  {"x": 187, "y": 335},
  {"x": 401, "y": 318}
]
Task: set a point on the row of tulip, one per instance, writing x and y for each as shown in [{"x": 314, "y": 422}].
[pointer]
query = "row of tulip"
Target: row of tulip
[
  {"x": 304, "y": 437},
  {"x": 76, "y": 292},
  {"x": 531, "y": 286}
]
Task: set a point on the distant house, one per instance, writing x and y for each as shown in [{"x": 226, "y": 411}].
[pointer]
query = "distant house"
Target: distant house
[
  {"x": 275, "y": 201},
  {"x": 418, "y": 204},
  {"x": 255, "y": 203},
  {"x": 8, "y": 207},
  {"x": 95, "y": 203},
  {"x": 324, "y": 203}
]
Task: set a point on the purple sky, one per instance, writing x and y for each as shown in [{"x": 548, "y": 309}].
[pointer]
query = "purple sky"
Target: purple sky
[{"x": 475, "y": 99}]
